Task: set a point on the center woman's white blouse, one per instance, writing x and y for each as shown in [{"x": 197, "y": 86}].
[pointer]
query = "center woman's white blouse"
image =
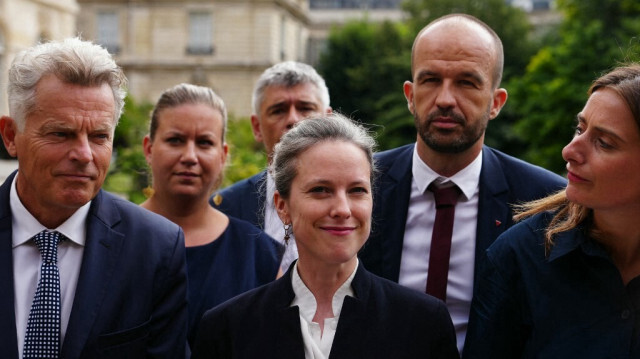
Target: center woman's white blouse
[{"x": 317, "y": 344}]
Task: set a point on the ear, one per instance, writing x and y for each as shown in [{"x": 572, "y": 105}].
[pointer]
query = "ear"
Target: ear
[
  {"x": 225, "y": 153},
  {"x": 146, "y": 147},
  {"x": 499, "y": 99},
  {"x": 255, "y": 126},
  {"x": 8, "y": 130},
  {"x": 281, "y": 207},
  {"x": 408, "y": 94}
]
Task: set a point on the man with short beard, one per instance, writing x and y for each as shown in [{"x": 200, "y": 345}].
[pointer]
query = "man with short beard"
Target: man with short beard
[{"x": 457, "y": 63}]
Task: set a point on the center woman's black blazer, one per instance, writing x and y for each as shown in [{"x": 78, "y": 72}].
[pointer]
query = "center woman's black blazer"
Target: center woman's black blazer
[{"x": 384, "y": 320}]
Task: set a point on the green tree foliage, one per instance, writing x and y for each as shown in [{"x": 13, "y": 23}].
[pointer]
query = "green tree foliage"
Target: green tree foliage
[
  {"x": 365, "y": 65},
  {"x": 594, "y": 37},
  {"x": 128, "y": 173},
  {"x": 246, "y": 156}
]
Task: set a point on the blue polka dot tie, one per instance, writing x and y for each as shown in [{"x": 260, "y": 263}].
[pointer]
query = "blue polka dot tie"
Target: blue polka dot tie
[{"x": 43, "y": 328}]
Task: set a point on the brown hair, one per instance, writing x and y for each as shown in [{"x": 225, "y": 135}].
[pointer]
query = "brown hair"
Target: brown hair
[{"x": 625, "y": 81}]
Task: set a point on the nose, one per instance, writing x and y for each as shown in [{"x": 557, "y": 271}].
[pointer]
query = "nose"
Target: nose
[
  {"x": 293, "y": 116},
  {"x": 189, "y": 153},
  {"x": 445, "y": 98},
  {"x": 340, "y": 207},
  {"x": 81, "y": 150},
  {"x": 572, "y": 152}
]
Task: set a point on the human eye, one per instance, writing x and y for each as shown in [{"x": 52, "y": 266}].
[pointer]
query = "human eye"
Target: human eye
[
  {"x": 276, "y": 111},
  {"x": 319, "y": 189},
  {"x": 429, "y": 80},
  {"x": 205, "y": 143},
  {"x": 101, "y": 136},
  {"x": 467, "y": 83},
  {"x": 604, "y": 144},
  {"x": 577, "y": 130},
  {"x": 59, "y": 134},
  {"x": 307, "y": 108},
  {"x": 359, "y": 189},
  {"x": 173, "y": 140}
]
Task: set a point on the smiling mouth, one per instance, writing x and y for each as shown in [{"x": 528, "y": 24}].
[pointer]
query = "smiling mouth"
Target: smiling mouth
[{"x": 339, "y": 230}]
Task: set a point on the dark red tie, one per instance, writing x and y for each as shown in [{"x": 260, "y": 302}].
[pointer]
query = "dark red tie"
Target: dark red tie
[{"x": 439, "y": 254}]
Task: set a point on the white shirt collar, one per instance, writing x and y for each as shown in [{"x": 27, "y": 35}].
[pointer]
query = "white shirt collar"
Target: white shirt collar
[
  {"x": 307, "y": 302},
  {"x": 25, "y": 225},
  {"x": 467, "y": 179},
  {"x": 271, "y": 189}
]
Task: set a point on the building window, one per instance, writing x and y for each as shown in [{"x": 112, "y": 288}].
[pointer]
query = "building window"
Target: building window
[
  {"x": 283, "y": 38},
  {"x": 108, "y": 31},
  {"x": 200, "y": 34},
  {"x": 355, "y": 4},
  {"x": 541, "y": 5}
]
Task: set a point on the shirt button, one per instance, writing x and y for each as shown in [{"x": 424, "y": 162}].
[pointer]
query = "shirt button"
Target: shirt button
[{"x": 625, "y": 314}]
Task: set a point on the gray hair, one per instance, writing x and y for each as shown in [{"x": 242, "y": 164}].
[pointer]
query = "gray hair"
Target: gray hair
[
  {"x": 182, "y": 94},
  {"x": 72, "y": 61},
  {"x": 310, "y": 132},
  {"x": 288, "y": 74}
]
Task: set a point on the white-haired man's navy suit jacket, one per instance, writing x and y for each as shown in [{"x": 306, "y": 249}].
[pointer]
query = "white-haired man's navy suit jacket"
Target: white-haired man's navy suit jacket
[
  {"x": 130, "y": 300},
  {"x": 504, "y": 180}
]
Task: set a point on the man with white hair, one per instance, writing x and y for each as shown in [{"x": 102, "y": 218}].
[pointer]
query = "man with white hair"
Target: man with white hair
[{"x": 84, "y": 274}]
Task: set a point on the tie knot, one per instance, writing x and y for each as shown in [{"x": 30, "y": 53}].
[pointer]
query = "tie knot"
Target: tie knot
[
  {"x": 47, "y": 243},
  {"x": 445, "y": 196}
]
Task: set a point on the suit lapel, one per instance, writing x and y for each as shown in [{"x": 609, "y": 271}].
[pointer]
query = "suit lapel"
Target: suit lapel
[
  {"x": 349, "y": 341},
  {"x": 289, "y": 343},
  {"x": 99, "y": 262},
  {"x": 395, "y": 194},
  {"x": 493, "y": 208},
  {"x": 8, "y": 335},
  {"x": 288, "y": 337}
]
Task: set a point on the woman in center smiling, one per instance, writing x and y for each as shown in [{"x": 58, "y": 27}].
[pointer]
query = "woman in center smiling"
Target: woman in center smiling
[{"x": 327, "y": 305}]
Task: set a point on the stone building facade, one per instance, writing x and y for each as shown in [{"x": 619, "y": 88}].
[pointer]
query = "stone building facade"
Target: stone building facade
[
  {"x": 23, "y": 23},
  {"x": 223, "y": 44}
]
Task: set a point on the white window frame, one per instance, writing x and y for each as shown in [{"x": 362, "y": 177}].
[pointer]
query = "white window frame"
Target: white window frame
[
  {"x": 108, "y": 30},
  {"x": 200, "y": 33}
]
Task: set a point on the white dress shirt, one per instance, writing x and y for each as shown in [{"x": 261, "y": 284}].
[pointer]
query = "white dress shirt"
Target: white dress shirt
[
  {"x": 27, "y": 261},
  {"x": 274, "y": 227},
  {"x": 414, "y": 264},
  {"x": 317, "y": 343}
]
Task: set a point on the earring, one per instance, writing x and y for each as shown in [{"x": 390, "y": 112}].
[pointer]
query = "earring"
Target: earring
[
  {"x": 148, "y": 191},
  {"x": 287, "y": 233}
]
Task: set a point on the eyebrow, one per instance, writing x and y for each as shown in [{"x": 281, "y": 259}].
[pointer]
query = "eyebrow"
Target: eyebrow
[
  {"x": 581, "y": 119},
  {"x": 424, "y": 73},
  {"x": 467, "y": 74},
  {"x": 475, "y": 76},
  {"x": 324, "y": 181},
  {"x": 277, "y": 104},
  {"x": 286, "y": 103}
]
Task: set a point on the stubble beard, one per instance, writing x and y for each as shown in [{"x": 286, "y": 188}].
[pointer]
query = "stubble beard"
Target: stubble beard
[{"x": 442, "y": 140}]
